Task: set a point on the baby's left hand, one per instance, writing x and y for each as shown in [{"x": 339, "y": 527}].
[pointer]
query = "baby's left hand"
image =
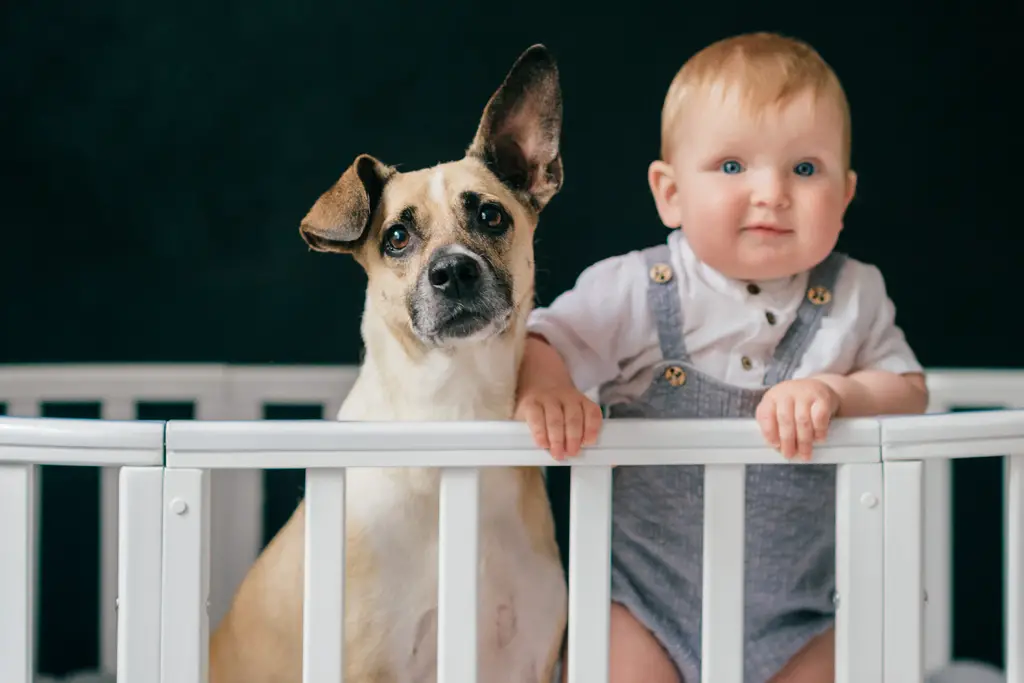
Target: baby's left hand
[{"x": 795, "y": 414}]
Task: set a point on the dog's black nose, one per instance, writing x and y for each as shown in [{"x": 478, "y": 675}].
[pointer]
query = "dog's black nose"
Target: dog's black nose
[{"x": 455, "y": 275}]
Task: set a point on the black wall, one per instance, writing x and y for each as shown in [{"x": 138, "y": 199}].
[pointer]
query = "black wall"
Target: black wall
[{"x": 157, "y": 158}]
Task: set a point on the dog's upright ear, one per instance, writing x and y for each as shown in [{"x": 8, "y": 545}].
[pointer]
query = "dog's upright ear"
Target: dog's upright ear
[
  {"x": 520, "y": 131},
  {"x": 340, "y": 218}
]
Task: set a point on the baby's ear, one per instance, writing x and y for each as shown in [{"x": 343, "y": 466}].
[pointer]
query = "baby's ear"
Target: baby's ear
[
  {"x": 661, "y": 178},
  {"x": 851, "y": 187}
]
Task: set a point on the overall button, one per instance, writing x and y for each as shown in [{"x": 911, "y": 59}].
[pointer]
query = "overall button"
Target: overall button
[
  {"x": 746, "y": 363},
  {"x": 675, "y": 375},
  {"x": 819, "y": 295},
  {"x": 661, "y": 273}
]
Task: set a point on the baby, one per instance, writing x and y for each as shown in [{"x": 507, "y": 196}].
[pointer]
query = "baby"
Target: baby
[{"x": 745, "y": 312}]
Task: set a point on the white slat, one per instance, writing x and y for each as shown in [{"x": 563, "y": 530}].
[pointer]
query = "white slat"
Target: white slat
[
  {"x": 139, "y": 575},
  {"x": 323, "y": 613},
  {"x": 111, "y": 409},
  {"x": 723, "y": 597},
  {"x": 860, "y": 562},
  {"x": 17, "y": 573},
  {"x": 458, "y": 539},
  {"x": 1015, "y": 569},
  {"x": 904, "y": 572},
  {"x": 184, "y": 630},
  {"x": 590, "y": 514},
  {"x": 938, "y": 552}
]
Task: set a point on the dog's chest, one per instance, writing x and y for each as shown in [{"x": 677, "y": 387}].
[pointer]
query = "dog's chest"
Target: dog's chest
[{"x": 521, "y": 599}]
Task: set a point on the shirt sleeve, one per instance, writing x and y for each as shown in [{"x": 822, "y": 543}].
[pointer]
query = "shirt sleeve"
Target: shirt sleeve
[
  {"x": 884, "y": 346},
  {"x": 598, "y": 323}
]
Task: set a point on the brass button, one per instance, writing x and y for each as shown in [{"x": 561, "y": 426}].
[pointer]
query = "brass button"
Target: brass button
[
  {"x": 753, "y": 289},
  {"x": 819, "y": 295},
  {"x": 661, "y": 273},
  {"x": 675, "y": 375},
  {"x": 746, "y": 363},
  {"x": 770, "y": 316}
]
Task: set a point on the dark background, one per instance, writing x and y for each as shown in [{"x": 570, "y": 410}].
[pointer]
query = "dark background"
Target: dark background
[{"x": 157, "y": 158}]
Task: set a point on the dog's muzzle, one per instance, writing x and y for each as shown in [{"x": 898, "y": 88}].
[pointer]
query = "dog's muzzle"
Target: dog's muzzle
[{"x": 459, "y": 295}]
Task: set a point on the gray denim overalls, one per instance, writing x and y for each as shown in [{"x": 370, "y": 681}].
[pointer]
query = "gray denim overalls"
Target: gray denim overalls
[{"x": 658, "y": 511}]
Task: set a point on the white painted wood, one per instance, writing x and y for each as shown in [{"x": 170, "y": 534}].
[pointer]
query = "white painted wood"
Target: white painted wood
[
  {"x": 17, "y": 572},
  {"x": 59, "y": 441},
  {"x": 139, "y": 577},
  {"x": 953, "y": 428},
  {"x": 860, "y": 563},
  {"x": 590, "y": 510},
  {"x": 110, "y": 409},
  {"x": 635, "y": 436},
  {"x": 184, "y": 623},
  {"x": 938, "y": 564},
  {"x": 722, "y": 628},
  {"x": 904, "y": 573},
  {"x": 458, "y": 543},
  {"x": 415, "y": 455},
  {"x": 323, "y": 615},
  {"x": 1015, "y": 568}
]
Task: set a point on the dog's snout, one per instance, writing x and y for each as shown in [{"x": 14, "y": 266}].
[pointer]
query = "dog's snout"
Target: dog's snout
[{"x": 455, "y": 275}]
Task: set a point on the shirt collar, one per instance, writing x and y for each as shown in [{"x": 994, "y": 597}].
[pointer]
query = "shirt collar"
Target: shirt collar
[{"x": 707, "y": 276}]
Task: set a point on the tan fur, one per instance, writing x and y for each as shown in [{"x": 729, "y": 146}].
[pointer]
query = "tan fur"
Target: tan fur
[{"x": 416, "y": 369}]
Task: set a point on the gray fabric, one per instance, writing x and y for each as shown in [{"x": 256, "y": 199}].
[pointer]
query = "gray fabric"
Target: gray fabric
[{"x": 658, "y": 511}]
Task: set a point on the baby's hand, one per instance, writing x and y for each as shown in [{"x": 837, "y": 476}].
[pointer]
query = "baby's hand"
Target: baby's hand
[
  {"x": 795, "y": 414},
  {"x": 560, "y": 418}
]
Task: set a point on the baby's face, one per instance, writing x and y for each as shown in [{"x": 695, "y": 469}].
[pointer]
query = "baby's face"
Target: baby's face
[{"x": 761, "y": 195}]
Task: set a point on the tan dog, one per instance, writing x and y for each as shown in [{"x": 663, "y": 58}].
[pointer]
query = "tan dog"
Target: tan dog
[{"x": 448, "y": 252}]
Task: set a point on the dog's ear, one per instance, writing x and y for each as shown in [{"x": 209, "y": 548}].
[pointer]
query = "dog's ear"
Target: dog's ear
[
  {"x": 339, "y": 219},
  {"x": 521, "y": 127}
]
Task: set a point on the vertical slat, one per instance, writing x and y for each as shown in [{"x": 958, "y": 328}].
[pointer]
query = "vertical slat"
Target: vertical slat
[
  {"x": 457, "y": 575},
  {"x": 590, "y": 514},
  {"x": 236, "y": 510},
  {"x": 1015, "y": 569},
  {"x": 723, "y": 598},
  {"x": 139, "y": 574},
  {"x": 323, "y": 614},
  {"x": 904, "y": 572},
  {"x": 938, "y": 630},
  {"x": 17, "y": 573},
  {"x": 860, "y": 562},
  {"x": 111, "y": 409},
  {"x": 184, "y": 623},
  {"x": 31, "y": 406}
]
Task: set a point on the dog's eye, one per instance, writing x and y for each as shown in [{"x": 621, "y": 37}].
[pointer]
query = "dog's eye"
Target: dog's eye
[
  {"x": 396, "y": 238},
  {"x": 491, "y": 216}
]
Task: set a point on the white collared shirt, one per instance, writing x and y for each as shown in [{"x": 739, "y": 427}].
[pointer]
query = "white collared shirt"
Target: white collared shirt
[{"x": 604, "y": 330}]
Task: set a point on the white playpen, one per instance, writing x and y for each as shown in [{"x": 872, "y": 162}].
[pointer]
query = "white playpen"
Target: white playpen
[{"x": 180, "y": 515}]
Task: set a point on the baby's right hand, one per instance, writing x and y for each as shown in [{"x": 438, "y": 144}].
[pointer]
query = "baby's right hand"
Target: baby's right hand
[{"x": 562, "y": 419}]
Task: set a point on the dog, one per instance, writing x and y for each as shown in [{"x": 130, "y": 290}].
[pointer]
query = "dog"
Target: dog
[{"x": 448, "y": 253}]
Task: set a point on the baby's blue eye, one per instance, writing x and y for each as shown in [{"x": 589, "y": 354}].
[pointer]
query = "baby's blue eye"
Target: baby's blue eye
[
  {"x": 732, "y": 167},
  {"x": 804, "y": 168}
]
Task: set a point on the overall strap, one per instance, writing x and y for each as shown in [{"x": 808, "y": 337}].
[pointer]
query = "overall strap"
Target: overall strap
[
  {"x": 816, "y": 303},
  {"x": 664, "y": 303}
]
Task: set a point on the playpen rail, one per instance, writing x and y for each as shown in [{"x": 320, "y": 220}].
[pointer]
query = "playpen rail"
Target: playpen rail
[
  {"x": 464, "y": 451},
  {"x": 134, "y": 447}
]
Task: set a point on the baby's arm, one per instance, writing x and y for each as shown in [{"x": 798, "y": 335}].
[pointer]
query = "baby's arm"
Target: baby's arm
[
  {"x": 866, "y": 393},
  {"x": 561, "y": 418},
  {"x": 576, "y": 345}
]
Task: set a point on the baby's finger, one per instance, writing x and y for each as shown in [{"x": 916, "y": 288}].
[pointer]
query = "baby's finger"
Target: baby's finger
[
  {"x": 787, "y": 427},
  {"x": 768, "y": 421},
  {"x": 533, "y": 413},
  {"x": 592, "y": 418},
  {"x": 555, "y": 417},
  {"x": 573, "y": 427},
  {"x": 820, "y": 417},
  {"x": 804, "y": 430}
]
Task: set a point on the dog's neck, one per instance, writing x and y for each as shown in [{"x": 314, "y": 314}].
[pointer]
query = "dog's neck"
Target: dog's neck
[{"x": 401, "y": 380}]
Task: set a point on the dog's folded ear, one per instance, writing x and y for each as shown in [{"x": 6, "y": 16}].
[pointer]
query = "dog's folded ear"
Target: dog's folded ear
[
  {"x": 340, "y": 218},
  {"x": 520, "y": 130}
]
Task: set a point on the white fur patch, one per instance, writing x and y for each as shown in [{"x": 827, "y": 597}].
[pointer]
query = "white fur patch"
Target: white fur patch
[{"x": 438, "y": 191}]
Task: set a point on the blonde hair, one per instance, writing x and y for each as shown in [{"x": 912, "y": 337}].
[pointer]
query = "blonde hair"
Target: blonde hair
[{"x": 763, "y": 68}]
